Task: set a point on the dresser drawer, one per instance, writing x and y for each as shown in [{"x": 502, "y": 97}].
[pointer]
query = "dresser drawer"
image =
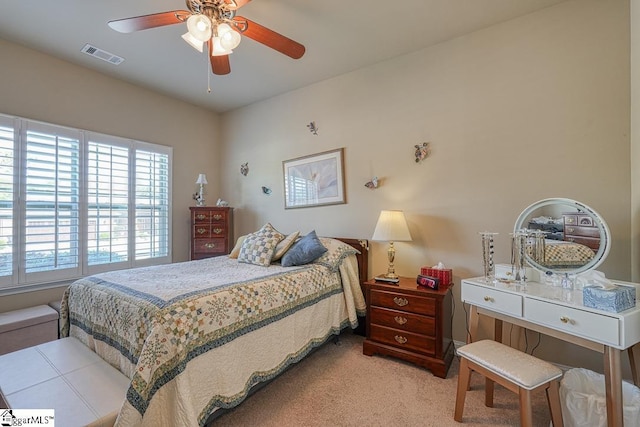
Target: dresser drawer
[
  {"x": 582, "y": 231},
  {"x": 401, "y": 320},
  {"x": 492, "y": 299},
  {"x": 403, "y": 302},
  {"x": 594, "y": 326},
  {"x": 209, "y": 216},
  {"x": 590, "y": 242},
  {"x": 206, "y": 230},
  {"x": 209, "y": 246},
  {"x": 403, "y": 339}
]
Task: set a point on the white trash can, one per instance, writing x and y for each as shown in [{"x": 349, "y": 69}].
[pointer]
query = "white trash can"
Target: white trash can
[{"x": 584, "y": 402}]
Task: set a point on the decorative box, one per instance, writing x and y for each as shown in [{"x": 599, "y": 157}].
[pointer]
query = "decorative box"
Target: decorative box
[
  {"x": 443, "y": 274},
  {"x": 613, "y": 300}
]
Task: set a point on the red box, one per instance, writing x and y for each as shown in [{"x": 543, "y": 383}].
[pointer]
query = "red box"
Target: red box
[{"x": 445, "y": 275}]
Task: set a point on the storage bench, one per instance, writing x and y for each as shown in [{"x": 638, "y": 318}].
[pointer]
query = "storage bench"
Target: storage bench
[
  {"x": 66, "y": 376},
  {"x": 27, "y": 327}
]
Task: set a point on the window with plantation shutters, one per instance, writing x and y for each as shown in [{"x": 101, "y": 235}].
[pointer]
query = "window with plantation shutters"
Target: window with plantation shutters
[{"x": 74, "y": 203}]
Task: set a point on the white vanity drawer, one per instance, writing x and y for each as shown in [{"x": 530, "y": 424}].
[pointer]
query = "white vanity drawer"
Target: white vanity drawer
[
  {"x": 492, "y": 299},
  {"x": 593, "y": 326}
]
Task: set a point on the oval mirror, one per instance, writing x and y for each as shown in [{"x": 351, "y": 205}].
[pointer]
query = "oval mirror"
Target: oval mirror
[{"x": 570, "y": 237}]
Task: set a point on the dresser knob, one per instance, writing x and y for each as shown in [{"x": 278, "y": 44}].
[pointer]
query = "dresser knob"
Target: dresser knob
[
  {"x": 488, "y": 299},
  {"x": 565, "y": 319},
  {"x": 209, "y": 245},
  {"x": 400, "y": 301},
  {"x": 217, "y": 217},
  {"x": 400, "y": 320},
  {"x": 400, "y": 339},
  {"x": 217, "y": 230},
  {"x": 201, "y": 230},
  {"x": 201, "y": 217}
]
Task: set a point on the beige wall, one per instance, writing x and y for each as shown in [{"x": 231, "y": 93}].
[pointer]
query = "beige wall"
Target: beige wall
[
  {"x": 532, "y": 108},
  {"x": 39, "y": 87}
]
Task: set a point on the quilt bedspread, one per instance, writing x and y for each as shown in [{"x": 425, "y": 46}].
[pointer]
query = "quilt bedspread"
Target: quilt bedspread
[{"x": 172, "y": 328}]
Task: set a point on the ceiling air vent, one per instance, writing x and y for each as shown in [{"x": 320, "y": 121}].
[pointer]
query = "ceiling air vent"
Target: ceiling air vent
[{"x": 102, "y": 54}]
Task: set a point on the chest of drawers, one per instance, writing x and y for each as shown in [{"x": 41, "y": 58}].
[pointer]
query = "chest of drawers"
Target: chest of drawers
[
  {"x": 411, "y": 323},
  {"x": 211, "y": 231},
  {"x": 580, "y": 228}
]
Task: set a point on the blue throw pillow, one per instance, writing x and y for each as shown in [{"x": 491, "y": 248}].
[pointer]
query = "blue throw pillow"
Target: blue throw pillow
[{"x": 303, "y": 251}]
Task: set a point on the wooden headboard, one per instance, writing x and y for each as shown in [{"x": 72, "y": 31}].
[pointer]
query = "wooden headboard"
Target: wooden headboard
[{"x": 362, "y": 246}]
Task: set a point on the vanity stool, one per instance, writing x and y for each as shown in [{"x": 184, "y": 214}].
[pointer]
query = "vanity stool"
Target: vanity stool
[{"x": 513, "y": 369}]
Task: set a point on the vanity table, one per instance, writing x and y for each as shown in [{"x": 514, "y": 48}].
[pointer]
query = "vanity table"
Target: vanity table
[{"x": 559, "y": 313}]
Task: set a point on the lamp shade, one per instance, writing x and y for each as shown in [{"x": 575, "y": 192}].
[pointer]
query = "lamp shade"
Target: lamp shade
[
  {"x": 202, "y": 179},
  {"x": 391, "y": 227}
]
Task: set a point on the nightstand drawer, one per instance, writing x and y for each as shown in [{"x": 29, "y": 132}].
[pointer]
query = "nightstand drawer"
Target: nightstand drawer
[
  {"x": 403, "y": 302},
  {"x": 403, "y": 339},
  {"x": 582, "y": 231},
  {"x": 401, "y": 320}
]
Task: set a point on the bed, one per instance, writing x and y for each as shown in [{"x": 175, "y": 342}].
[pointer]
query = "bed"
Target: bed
[
  {"x": 195, "y": 337},
  {"x": 562, "y": 254}
]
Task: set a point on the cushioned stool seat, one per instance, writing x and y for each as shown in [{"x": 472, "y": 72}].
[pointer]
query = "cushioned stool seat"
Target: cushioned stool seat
[
  {"x": 513, "y": 369},
  {"x": 66, "y": 376}
]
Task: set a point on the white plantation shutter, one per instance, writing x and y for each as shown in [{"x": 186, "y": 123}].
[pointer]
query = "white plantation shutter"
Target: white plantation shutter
[
  {"x": 108, "y": 203},
  {"x": 51, "y": 202},
  {"x": 74, "y": 203},
  {"x": 7, "y": 182},
  {"x": 152, "y": 204}
]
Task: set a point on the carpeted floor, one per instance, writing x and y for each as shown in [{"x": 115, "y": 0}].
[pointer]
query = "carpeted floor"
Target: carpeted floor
[{"x": 339, "y": 386}]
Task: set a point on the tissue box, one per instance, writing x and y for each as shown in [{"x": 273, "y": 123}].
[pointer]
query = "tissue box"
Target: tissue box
[
  {"x": 443, "y": 274},
  {"x": 613, "y": 300}
]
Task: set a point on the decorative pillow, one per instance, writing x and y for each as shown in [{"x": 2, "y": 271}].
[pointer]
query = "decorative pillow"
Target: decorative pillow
[
  {"x": 284, "y": 245},
  {"x": 236, "y": 249},
  {"x": 303, "y": 251},
  {"x": 258, "y": 247},
  {"x": 336, "y": 252}
]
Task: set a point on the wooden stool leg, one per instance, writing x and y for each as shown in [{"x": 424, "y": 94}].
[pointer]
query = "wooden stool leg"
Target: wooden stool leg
[
  {"x": 553, "y": 398},
  {"x": 488, "y": 392},
  {"x": 526, "y": 413},
  {"x": 463, "y": 384},
  {"x": 632, "y": 362}
]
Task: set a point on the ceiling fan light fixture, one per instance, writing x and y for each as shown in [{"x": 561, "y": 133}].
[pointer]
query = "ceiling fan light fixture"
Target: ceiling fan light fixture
[
  {"x": 218, "y": 48},
  {"x": 229, "y": 38},
  {"x": 195, "y": 43},
  {"x": 199, "y": 27}
]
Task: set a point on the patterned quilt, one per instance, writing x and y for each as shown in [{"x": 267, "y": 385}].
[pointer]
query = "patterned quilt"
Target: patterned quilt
[{"x": 196, "y": 336}]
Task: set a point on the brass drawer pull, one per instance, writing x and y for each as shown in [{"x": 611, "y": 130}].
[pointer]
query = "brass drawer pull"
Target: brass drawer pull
[
  {"x": 488, "y": 299},
  {"x": 400, "y": 339},
  {"x": 400, "y": 320},
  {"x": 201, "y": 216},
  {"x": 218, "y": 230},
  {"x": 565, "y": 319},
  {"x": 209, "y": 245},
  {"x": 217, "y": 217},
  {"x": 400, "y": 301},
  {"x": 201, "y": 230}
]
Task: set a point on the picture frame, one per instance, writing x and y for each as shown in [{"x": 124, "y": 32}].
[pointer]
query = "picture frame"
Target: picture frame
[{"x": 314, "y": 180}]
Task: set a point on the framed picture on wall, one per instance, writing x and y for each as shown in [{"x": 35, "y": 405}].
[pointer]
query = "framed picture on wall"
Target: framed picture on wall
[{"x": 314, "y": 180}]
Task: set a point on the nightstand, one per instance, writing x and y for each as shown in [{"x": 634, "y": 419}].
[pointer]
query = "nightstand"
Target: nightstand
[
  {"x": 211, "y": 231},
  {"x": 410, "y": 322}
]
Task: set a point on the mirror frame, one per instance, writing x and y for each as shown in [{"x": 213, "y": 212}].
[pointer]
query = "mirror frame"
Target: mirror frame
[{"x": 605, "y": 234}]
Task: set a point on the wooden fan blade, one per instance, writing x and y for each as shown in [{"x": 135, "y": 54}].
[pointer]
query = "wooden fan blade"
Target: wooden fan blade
[
  {"x": 219, "y": 64},
  {"x": 129, "y": 25},
  {"x": 270, "y": 38},
  {"x": 239, "y": 3}
]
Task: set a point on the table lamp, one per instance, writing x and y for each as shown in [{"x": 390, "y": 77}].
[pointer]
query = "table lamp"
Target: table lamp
[
  {"x": 202, "y": 180},
  {"x": 391, "y": 227}
]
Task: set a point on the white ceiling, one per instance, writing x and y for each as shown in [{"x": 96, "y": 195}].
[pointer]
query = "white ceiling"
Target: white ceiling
[{"x": 339, "y": 36}]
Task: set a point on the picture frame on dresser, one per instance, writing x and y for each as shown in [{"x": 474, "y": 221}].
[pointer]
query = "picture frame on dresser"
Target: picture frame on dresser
[{"x": 211, "y": 231}]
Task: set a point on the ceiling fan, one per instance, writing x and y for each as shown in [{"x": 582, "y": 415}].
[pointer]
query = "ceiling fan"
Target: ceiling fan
[{"x": 215, "y": 23}]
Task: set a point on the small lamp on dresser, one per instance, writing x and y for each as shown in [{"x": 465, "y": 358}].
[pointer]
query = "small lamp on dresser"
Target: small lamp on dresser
[
  {"x": 391, "y": 227},
  {"x": 199, "y": 197}
]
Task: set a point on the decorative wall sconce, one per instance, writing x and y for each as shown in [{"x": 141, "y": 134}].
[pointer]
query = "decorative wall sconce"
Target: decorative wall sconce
[
  {"x": 313, "y": 128},
  {"x": 422, "y": 151},
  {"x": 199, "y": 197}
]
